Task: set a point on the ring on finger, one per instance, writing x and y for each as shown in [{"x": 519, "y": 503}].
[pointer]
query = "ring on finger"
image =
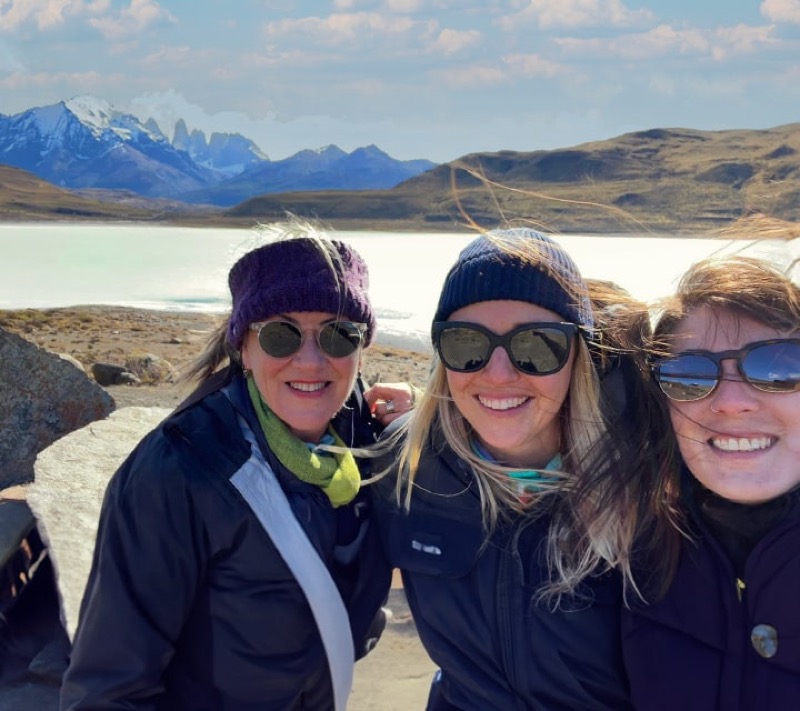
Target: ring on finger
[{"x": 390, "y": 407}]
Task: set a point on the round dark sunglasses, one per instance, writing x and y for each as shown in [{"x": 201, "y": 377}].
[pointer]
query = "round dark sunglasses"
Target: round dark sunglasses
[
  {"x": 771, "y": 366},
  {"x": 540, "y": 348},
  {"x": 337, "y": 339}
]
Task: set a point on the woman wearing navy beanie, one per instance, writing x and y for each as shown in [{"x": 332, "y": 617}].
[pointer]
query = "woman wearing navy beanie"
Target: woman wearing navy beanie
[{"x": 505, "y": 508}]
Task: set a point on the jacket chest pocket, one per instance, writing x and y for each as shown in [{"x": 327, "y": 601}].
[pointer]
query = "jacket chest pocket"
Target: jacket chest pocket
[{"x": 421, "y": 542}]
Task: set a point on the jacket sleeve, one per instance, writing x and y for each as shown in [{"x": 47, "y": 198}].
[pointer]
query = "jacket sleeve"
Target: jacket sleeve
[{"x": 145, "y": 571}]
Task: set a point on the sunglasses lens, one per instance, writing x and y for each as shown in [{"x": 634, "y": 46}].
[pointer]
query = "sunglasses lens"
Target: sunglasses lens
[
  {"x": 540, "y": 351},
  {"x": 773, "y": 367},
  {"x": 687, "y": 377},
  {"x": 340, "y": 339},
  {"x": 279, "y": 339},
  {"x": 463, "y": 349}
]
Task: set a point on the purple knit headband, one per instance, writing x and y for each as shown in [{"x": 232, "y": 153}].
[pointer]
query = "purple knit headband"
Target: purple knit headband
[{"x": 294, "y": 275}]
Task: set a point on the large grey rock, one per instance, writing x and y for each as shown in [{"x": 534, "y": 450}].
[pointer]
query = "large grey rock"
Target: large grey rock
[
  {"x": 42, "y": 398},
  {"x": 71, "y": 478}
]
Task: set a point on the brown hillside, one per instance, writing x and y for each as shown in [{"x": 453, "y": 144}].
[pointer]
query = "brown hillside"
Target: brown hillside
[
  {"x": 662, "y": 179},
  {"x": 24, "y": 197},
  {"x": 677, "y": 180}
]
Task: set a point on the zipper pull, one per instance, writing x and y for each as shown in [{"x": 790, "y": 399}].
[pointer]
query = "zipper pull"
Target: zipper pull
[{"x": 740, "y": 586}]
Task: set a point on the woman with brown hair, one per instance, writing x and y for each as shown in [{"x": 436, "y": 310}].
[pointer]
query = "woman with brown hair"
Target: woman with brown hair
[{"x": 720, "y": 628}]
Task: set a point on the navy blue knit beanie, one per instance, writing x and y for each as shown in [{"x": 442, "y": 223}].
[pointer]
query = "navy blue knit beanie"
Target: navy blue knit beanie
[
  {"x": 517, "y": 264},
  {"x": 294, "y": 275}
]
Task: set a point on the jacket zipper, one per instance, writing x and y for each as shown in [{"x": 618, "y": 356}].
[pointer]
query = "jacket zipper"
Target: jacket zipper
[{"x": 740, "y": 586}]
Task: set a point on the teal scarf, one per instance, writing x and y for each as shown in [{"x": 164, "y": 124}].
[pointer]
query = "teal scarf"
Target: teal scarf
[
  {"x": 336, "y": 474},
  {"x": 528, "y": 482}
]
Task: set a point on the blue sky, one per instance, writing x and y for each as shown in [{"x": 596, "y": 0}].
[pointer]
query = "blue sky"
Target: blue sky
[{"x": 429, "y": 79}]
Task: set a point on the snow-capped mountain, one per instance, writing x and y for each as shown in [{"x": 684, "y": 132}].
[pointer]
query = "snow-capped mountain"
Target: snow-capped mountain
[
  {"x": 328, "y": 168},
  {"x": 226, "y": 153},
  {"x": 86, "y": 143}
]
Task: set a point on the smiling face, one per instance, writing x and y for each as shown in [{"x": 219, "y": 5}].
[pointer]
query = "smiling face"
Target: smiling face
[
  {"x": 740, "y": 442},
  {"x": 308, "y": 388},
  {"x": 516, "y": 416}
]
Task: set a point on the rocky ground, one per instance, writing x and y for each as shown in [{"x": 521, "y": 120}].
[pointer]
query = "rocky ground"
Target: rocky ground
[
  {"x": 116, "y": 335},
  {"x": 394, "y": 677}
]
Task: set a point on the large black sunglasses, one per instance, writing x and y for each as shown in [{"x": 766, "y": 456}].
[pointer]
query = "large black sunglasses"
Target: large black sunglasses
[
  {"x": 772, "y": 366},
  {"x": 540, "y": 348},
  {"x": 337, "y": 339}
]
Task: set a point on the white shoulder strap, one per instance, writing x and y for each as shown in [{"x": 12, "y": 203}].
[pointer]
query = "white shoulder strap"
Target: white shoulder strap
[{"x": 260, "y": 487}]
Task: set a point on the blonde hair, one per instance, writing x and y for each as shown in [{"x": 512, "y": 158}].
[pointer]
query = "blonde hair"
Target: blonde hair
[{"x": 594, "y": 508}]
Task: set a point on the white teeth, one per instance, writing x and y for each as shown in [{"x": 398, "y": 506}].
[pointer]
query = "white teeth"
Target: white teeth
[
  {"x": 307, "y": 387},
  {"x": 504, "y": 404},
  {"x": 741, "y": 444}
]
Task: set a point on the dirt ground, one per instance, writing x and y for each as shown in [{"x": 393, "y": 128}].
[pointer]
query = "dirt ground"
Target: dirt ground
[
  {"x": 395, "y": 676},
  {"x": 114, "y": 334}
]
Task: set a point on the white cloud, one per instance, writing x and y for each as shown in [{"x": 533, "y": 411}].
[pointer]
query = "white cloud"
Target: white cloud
[
  {"x": 474, "y": 75},
  {"x": 781, "y": 11},
  {"x": 78, "y": 82},
  {"x": 295, "y": 58},
  {"x": 46, "y": 14},
  {"x": 453, "y": 41},
  {"x": 508, "y": 69},
  {"x": 170, "y": 56},
  {"x": 137, "y": 17},
  {"x": 720, "y": 43},
  {"x": 8, "y": 61},
  {"x": 575, "y": 13},
  {"x": 348, "y": 28},
  {"x": 531, "y": 65},
  {"x": 404, "y": 6}
]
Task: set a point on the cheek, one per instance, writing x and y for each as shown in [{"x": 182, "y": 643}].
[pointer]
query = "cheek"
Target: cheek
[
  {"x": 687, "y": 431},
  {"x": 792, "y": 418},
  {"x": 347, "y": 368},
  {"x": 554, "y": 388},
  {"x": 455, "y": 383}
]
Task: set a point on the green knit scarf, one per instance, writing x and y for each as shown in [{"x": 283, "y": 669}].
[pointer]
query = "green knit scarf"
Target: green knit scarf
[{"x": 335, "y": 473}]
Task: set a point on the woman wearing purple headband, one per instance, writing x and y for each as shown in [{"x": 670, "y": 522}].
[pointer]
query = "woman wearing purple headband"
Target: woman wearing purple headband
[{"x": 234, "y": 568}]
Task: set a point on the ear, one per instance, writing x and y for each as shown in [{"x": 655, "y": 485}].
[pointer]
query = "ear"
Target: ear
[{"x": 245, "y": 354}]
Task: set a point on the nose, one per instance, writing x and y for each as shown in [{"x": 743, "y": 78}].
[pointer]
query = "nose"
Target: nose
[
  {"x": 733, "y": 395},
  {"x": 499, "y": 368},
  {"x": 309, "y": 354}
]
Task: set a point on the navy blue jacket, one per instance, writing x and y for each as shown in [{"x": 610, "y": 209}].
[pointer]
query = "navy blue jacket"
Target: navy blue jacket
[
  {"x": 188, "y": 604},
  {"x": 474, "y": 607},
  {"x": 712, "y": 644}
]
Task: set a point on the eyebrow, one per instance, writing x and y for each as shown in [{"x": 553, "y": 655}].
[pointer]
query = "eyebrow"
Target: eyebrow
[{"x": 286, "y": 317}]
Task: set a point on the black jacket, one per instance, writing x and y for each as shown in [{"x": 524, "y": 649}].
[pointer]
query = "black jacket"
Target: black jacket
[
  {"x": 722, "y": 640},
  {"x": 188, "y": 604},
  {"x": 474, "y": 607}
]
